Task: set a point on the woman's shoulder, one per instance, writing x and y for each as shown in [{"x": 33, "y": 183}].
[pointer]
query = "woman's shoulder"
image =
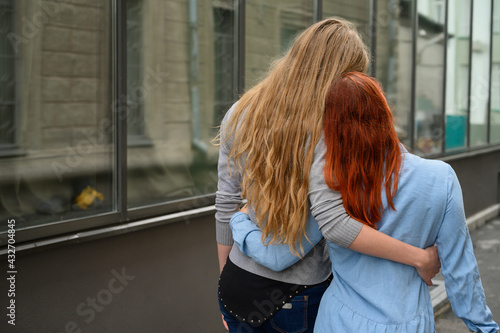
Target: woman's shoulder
[
  {"x": 422, "y": 162},
  {"x": 424, "y": 170},
  {"x": 229, "y": 112}
]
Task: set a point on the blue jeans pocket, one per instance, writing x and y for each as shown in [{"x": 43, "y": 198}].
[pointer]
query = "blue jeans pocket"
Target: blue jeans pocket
[{"x": 292, "y": 318}]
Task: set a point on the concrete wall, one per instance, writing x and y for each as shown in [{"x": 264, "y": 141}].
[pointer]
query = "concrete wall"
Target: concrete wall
[
  {"x": 173, "y": 289},
  {"x": 479, "y": 177}
]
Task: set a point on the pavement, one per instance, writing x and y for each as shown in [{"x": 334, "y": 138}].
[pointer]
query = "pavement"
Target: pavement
[{"x": 485, "y": 235}]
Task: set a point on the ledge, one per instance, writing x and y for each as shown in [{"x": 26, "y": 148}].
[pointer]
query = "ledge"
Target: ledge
[{"x": 84, "y": 236}]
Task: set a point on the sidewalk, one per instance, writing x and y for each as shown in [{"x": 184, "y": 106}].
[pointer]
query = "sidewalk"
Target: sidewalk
[{"x": 486, "y": 240}]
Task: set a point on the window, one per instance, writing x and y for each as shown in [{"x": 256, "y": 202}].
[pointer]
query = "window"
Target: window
[
  {"x": 184, "y": 51},
  {"x": 495, "y": 103},
  {"x": 495, "y": 77},
  {"x": 480, "y": 72},
  {"x": 63, "y": 104},
  {"x": 225, "y": 74},
  {"x": 135, "y": 76},
  {"x": 394, "y": 62},
  {"x": 293, "y": 20},
  {"x": 462, "y": 28},
  {"x": 429, "y": 80},
  {"x": 439, "y": 10},
  {"x": 270, "y": 27},
  {"x": 496, "y": 17},
  {"x": 8, "y": 123},
  {"x": 457, "y": 81},
  {"x": 356, "y": 11}
]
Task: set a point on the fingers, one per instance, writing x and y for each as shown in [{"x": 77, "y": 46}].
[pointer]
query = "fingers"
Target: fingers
[
  {"x": 244, "y": 209},
  {"x": 225, "y": 324}
]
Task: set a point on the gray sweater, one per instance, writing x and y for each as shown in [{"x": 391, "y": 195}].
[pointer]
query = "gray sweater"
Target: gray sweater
[{"x": 326, "y": 207}]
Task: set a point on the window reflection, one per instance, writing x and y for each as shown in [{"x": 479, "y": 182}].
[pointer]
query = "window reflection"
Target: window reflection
[
  {"x": 429, "y": 81},
  {"x": 457, "y": 81},
  {"x": 480, "y": 73},
  {"x": 180, "y": 84},
  {"x": 394, "y": 60},
  {"x": 135, "y": 75},
  {"x": 356, "y": 11},
  {"x": 495, "y": 76},
  {"x": 8, "y": 126},
  {"x": 271, "y": 26},
  {"x": 54, "y": 111}
]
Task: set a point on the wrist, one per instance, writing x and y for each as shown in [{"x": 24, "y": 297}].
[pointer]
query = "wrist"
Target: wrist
[{"x": 421, "y": 259}]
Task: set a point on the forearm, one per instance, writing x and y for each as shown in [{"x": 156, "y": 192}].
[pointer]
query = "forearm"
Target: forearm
[
  {"x": 223, "y": 253},
  {"x": 377, "y": 244},
  {"x": 460, "y": 271},
  {"x": 277, "y": 257},
  {"x": 338, "y": 227}
]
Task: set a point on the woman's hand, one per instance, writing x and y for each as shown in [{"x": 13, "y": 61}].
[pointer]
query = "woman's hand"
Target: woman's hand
[
  {"x": 431, "y": 266},
  {"x": 377, "y": 244},
  {"x": 244, "y": 209},
  {"x": 225, "y": 324}
]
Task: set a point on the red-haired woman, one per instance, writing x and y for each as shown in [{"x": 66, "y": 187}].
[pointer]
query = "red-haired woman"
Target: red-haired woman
[{"x": 415, "y": 200}]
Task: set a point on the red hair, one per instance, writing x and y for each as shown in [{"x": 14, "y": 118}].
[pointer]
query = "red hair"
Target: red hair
[{"x": 363, "y": 153}]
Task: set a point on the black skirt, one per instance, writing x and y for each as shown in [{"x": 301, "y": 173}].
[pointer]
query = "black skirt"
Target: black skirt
[{"x": 247, "y": 296}]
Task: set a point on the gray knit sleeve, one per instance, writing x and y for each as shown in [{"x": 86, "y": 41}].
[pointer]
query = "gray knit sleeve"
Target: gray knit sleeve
[
  {"x": 327, "y": 206},
  {"x": 228, "y": 196}
]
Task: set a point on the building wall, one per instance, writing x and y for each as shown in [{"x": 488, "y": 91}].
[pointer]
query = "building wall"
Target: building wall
[
  {"x": 479, "y": 177},
  {"x": 173, "y": 289}
]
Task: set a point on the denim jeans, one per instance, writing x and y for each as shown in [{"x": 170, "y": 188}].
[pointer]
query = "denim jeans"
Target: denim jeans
[{"x": 296, "y": 317}]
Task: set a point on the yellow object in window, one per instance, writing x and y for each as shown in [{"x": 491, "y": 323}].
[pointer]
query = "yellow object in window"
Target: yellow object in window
[{"x": 87, "y": 197}]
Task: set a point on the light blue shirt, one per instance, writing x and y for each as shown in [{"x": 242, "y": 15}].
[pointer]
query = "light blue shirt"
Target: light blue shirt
[{"x": 370, "y": 294}]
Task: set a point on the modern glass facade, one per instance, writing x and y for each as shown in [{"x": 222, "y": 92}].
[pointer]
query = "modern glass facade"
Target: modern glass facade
[{"x": 108, "y": 107}]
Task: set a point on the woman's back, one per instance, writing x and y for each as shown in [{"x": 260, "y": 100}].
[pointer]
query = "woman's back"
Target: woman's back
[{"x": 374, "y": 295}]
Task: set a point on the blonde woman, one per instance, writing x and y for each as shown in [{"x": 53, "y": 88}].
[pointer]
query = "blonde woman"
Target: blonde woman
[{"x": 269, "y": 154}]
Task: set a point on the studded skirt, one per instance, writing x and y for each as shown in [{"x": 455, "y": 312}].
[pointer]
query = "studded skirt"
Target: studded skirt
[{"x": 251, "y": 298}]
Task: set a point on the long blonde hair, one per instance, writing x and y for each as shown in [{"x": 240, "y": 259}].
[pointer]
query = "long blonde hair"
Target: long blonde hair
[{"x": 277, "y": 124}]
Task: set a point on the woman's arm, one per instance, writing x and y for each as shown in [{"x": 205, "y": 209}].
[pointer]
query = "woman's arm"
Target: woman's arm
[
  {"x": 228, "y": 196},
  {"x": 248, "y": 237},
  {"x": 377, "y": 244},
  {"x": 461, "y": 275},
  {"x": 338, "y": 227}
]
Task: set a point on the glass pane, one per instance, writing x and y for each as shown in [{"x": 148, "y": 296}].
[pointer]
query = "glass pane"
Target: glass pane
[
  {"x": 457, "y": 80},
  {"x": 356, "y": 11},
  {"x": 495, "y": 78},
  {"x": 429, "y": 80},
  {"x": 180, "y": 83},
  {"x": 135, "y": 114},
  {"x": 480, "y": 75},
  {"x": 271, "y": 26},
  {"x": 394, "y": 60},
  {"x": 7, "y": 78},
  {"x": 62, "y": 167}
]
